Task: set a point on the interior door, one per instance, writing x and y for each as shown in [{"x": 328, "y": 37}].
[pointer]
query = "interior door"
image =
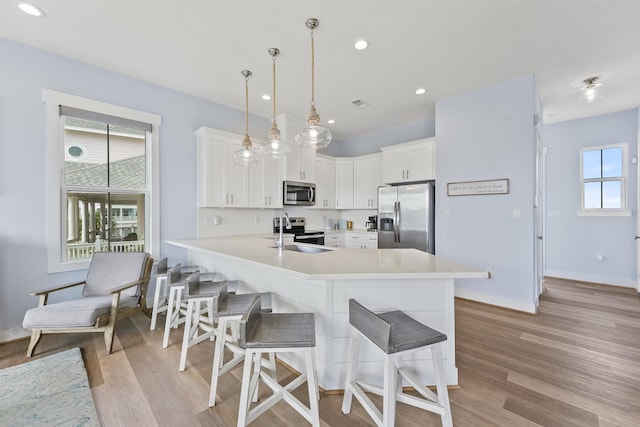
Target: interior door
[{"x": 539, "y": 212}]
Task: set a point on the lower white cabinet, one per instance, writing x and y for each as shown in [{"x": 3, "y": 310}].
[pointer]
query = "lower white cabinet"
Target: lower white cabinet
[
  {"x": 366, "y": 240},
  {"x": 334, "y": 240}
]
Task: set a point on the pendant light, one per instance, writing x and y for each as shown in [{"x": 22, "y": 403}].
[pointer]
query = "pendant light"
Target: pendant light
[
  {"x": 313, "y": 135},
  {"x": 274, "y": 147},
  {"x": 246, "y": 156}
]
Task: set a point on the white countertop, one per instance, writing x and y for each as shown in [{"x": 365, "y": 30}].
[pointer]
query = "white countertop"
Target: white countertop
[{"x": 335, "y": 263}]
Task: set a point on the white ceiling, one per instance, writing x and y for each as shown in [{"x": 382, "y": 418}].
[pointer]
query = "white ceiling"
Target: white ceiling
[{"x": 448, "y": 47}]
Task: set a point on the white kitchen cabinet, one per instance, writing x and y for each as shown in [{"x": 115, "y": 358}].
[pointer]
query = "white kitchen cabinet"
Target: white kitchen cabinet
[
  {"x": 344, "y": 183},
  {"x": 300, "y": 163},
  {"x": 220, "y": 182},
  {"x": 366, "y": 240},
  {"x": 325, "y": 182},
  {"x": 267, "y": 183},
  {"x": 334, "y": 239},
  {"x": 367, "y": 176},
  {"x": 409, "y": 162}
]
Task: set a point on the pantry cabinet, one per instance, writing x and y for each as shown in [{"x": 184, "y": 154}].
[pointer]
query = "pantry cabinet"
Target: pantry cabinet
[{"x": 409, "y": 162}]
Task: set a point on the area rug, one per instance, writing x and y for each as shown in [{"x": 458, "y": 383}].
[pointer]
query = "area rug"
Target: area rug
[{"x": 52, "y": 391}]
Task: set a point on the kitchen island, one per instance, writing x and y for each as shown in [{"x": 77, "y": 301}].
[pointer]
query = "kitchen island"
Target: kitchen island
[{"x": 418, "y": 283}]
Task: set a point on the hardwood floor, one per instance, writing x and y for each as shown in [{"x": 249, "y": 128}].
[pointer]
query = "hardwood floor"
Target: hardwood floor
[{"x": 577, "y": 363}]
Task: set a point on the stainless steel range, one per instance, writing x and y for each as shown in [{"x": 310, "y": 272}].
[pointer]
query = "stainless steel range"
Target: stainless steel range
[{"x": 298, "y": 229}]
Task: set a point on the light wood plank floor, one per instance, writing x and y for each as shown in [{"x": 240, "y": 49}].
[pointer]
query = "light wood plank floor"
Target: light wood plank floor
[{"x": 577, "y": 363}]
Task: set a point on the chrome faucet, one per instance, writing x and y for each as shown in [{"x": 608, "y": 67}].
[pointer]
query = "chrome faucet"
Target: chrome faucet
[{"x": 280, "y": 238}]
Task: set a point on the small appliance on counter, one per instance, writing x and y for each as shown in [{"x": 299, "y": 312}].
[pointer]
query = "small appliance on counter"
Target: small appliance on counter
[
  {"x": 372, "y": 224},
  {"x": 300, "y": 234}
]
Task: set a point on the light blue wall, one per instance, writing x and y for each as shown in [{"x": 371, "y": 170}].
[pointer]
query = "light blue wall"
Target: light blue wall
[
  {"x": 481, "y": 135},
  {"x": 574, "y": 242},
  {"x": 371, "y": 142},
  {"x": 24, "y": 72}
]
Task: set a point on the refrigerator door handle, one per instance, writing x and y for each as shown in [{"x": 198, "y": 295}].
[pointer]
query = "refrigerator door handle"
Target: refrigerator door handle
[{"x": 398, "y": 222}]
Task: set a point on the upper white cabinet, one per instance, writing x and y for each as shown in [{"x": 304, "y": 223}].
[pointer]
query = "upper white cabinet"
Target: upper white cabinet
[
  {"x": 344, "y": 183},
  {"x": 223, "y": 183},
  {"x": 367, "y": 176},
  {"x": 325, "y": 182},
  {"x": 300, "y": 162},
  {"x": 408, "y": 162}
]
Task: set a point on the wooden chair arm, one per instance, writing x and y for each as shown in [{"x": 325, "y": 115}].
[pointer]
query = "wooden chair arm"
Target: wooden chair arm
[
  {"x": 123, "y": 287},
  {"x": 54, "y": 289}
]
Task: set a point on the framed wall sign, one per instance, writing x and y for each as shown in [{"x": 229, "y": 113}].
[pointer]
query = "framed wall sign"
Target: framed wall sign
[{"x": 475, "y": 188}]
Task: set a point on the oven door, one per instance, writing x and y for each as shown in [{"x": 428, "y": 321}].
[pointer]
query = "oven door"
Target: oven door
[{"x": 312, "y": 239}]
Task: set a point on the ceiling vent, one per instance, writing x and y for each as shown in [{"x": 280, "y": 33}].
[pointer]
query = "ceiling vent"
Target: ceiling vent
[{"x": 359, "y": 103}]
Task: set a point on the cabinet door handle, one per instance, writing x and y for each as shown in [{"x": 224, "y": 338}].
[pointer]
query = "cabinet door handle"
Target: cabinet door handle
[
  {"x": 227, "y": 199},
  {"x": 407, "y": 173},
  {"x": 232, "y": 199},
  {"x": 269, "y": 200},
  {"x": 403, "y": 174}
]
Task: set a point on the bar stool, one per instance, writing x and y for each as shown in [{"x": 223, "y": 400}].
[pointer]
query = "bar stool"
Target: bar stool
[
  {"x": 176, "y": 308},
  {"x": 230, "y": 310},
  {"x": 396, "y": 334},
  {"x": 277, "y": 333},
  {"x": 214, "y": 299},
  {"x": 160, "y": 301}
]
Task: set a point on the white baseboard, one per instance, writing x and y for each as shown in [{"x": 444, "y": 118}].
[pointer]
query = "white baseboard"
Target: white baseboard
[
  {"x": 13, "y": 334},
  {"x": 593, "y": 278},
  {"x": 493, "y": 300}
]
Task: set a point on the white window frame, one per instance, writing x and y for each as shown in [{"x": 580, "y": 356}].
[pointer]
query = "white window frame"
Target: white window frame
[
  {"x": 623, "y": 211},
  {"x": 56, "y": 211}
]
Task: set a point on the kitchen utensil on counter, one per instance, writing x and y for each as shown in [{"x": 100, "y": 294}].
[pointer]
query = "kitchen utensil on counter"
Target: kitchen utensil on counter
[
  {"x": 372, "y": 224},
  {"x": 343, "y": 224},
  {"x": 349, "y": 225},
  {"x": 328, "y": 223}
]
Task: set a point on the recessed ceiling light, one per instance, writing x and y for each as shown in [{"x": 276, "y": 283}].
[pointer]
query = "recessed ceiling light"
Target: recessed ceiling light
[
  {"x": 31, "y": 9},
  {"x": 266, "y": 97},
  {"x": 361, "y": 44},
  {"x": 331, "y": 121},
  {"x": 421, "y": 91}
]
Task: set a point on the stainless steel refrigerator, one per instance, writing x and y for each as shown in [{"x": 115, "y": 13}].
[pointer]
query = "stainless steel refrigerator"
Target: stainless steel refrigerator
[{"x": 406, "y": 216}]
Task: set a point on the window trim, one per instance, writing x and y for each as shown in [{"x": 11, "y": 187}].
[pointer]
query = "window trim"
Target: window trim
[
  {"x": 623, "y": 211},
  {"x": 55, "y": 173}
]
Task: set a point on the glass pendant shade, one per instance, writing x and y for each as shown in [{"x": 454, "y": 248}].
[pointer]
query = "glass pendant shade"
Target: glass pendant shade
[
  {"x": 274, "y": 147},
  {"x": 246, "y": 156},
  {"x": 313, "y": 135}
]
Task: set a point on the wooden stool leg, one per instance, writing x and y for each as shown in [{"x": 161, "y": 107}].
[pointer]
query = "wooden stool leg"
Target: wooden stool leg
[
  {"x": 441, "y": 384},
  {"x": 218, "y": 357},
  {"x": 244, "y": 390},
  {"x": 312, "y": 384},
  {"x": 191, "y": 322},
  {"x": 156, "y": 302},
  {"x": 351, "y": 372},
  {"x": 389, "y": 395},
  {"x": 167, "y": 323}
]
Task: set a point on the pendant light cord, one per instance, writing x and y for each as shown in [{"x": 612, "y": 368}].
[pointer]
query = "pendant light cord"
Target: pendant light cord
[
  {"x": 313, "y": 66},
  {"x": 246, "y": 105},
  {"x": 274, "y": 88}
]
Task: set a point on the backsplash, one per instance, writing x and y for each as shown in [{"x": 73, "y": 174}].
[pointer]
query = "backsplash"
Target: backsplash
[{"x": 227, "y": 222}]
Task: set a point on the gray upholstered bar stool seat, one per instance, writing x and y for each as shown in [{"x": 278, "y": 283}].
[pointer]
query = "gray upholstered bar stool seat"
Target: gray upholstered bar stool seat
[
  {"x": 397, "y": 335},
  {"x": 161, "y": 293},
  {"x": 176, "y": 307},
  {"x": 214, "y": 299},
  {"x": 277, "y": 333}
]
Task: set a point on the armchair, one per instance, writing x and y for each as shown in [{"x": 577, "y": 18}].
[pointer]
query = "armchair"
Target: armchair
[{"x": 115, "y": 287}]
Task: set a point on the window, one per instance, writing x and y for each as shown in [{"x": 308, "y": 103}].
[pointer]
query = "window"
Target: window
[
  {"x": 102, "y": 180},
  {"x": 603, "y": 179}
]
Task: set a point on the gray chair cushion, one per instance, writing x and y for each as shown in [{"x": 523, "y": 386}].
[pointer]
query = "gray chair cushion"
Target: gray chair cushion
[
  {"x": 72, "y": 313},
  {"x": 393, "y": 331},
  {"x": 109, "y": 270}
]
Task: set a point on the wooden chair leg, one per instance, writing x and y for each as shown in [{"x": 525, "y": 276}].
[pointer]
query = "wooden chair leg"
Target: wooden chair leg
[{"x": 36, "y": 334}]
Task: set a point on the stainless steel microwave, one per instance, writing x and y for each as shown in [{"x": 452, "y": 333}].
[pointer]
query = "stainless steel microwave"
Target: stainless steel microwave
[{"x": 299, "y": 193}]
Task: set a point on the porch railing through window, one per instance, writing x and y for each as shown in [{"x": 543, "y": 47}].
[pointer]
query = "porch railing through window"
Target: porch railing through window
[{"x": 86, "y": 250}]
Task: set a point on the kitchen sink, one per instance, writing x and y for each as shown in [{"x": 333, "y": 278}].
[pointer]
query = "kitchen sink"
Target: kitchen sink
[{"x": 305, "y": 249}]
